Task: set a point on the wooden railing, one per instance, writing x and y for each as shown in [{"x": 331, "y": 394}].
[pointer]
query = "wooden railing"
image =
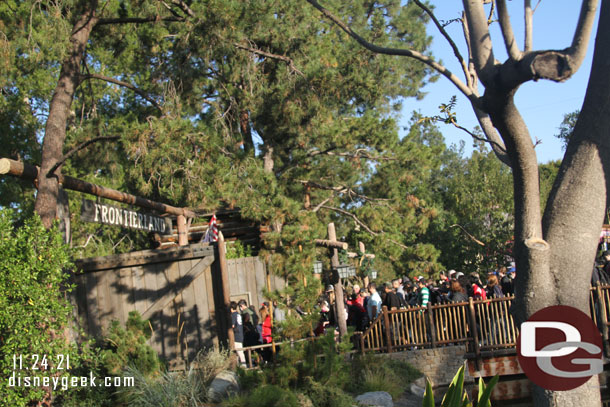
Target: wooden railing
[{"x": 484, "y": 326}]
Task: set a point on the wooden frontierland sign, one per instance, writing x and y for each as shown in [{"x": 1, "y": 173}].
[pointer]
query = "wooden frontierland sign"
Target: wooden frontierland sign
[
  {"x": 113, "y": 215},
  {"x": 31, "y": 172}
]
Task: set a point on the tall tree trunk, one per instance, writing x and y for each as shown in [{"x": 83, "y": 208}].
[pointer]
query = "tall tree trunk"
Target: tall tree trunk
[
  {"x": 575, "y": 210},
  {"x": 531, "y": 252},
  {"x": 59, "y": 110}
]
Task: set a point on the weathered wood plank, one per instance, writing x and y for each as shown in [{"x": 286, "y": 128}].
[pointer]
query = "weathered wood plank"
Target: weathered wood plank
[
  {"x": 169, "y": 292},
  {"x": 80, "y": 297},
  {"x": 210, "y": 335},
  {"x": 188, "y": 337},
  {"x": 126, "y": 291},
  {"x": 113, "y": 279},
  {"x": 250, "y": 277},
  {"x": 104, "y": 303},
  {"x": 261, "y": 282},
  {"x": 162, "y": 315},
  {"x": 93, "y": 312},
  {"x": 232, "y": 275},
  {"x": 146, "y": 257},
  {"x": 242, "y": 276},
  {"x": 140, "y": 296}
]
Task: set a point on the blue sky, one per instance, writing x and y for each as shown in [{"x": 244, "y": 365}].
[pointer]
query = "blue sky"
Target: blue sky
[{"x": 541, "y": 103}]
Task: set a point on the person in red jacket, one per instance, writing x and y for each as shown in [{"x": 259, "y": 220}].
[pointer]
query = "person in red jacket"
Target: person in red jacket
[{"x": 265, "y": 330}]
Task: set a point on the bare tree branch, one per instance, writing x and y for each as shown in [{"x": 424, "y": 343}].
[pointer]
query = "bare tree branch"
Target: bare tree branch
[
  {"x": 445, "y": 34},
  {"x": 477, "y": 241},
  {"x": 361, "y": 153},
  {"x": 492, "y": 134},
  {"x": 397, "y": 51},
  {"x": 184, "y": 7},
  {"x": 362, "y": 224},
  {"x": 137, "y": 20},
  {"x": 529, "y": 26},
  {"x": 473, "y": 78},
  {"x": 480, "y": 40},
  {"x": 578, "y": 49},
  {"x": 124, "y": 84},
  {"x": 351, "y": 215},
  {"x": 321, "y": 204},
  {"x": 286, "y": 59},
  {"x": 342, "y": 190},
  {"x": 78, "y": 148},
  {"x": 507, "y": 31}
]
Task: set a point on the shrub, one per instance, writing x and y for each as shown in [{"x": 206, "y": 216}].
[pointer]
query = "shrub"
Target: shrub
[
  {"x": 34, "y": 312},
  {"x": 171, "y": 389},
  {"x": 272, "y": 396},
  {"x": 186, "y": 388},
  {"x": 328, "y": 396},
  {"x": 456, "y": 395},
  {"x": 371, "y": 373},
  {"x": 127, "y": 347}
]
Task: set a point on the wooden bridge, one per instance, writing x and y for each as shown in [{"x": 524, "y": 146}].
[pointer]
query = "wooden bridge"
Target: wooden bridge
[{"x": 486, "y": 327}]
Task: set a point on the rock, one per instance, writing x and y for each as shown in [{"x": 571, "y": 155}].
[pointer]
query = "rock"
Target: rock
[
  {"x": 375, "y": 399},
  {"x": 421, "y": 382},
  {"x": 416, "y": 390},
  {"x": 223, "y": 385}
]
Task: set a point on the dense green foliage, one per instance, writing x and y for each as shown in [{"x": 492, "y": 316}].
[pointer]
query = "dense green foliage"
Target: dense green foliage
[
  {"x": 127, "y": 347},
  {"x": 474, "y": 228},
  {"x": 456, "y": 396},
  {"x": 34, "y": 311},
  {"x": 320, "y": 372},
  {"x": 566, "y": 128}
]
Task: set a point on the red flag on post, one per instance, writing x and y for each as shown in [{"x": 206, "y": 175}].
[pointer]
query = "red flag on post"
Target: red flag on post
[{"x": 211, "y": 235}]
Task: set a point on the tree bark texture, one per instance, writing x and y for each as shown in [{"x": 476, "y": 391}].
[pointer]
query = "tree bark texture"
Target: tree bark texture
[{"x": 59, "y": 110}]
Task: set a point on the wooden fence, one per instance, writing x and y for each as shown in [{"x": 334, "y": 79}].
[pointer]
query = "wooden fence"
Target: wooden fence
[
  {"x": 485, "y": 326},
  {"x": 179, "y": 290}
]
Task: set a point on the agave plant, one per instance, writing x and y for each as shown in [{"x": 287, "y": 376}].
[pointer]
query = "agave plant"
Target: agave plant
[{"x": 457, "y": 397}]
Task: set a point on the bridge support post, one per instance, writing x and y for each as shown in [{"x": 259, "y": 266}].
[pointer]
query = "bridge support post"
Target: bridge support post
[
  {"x": 603, "y": 323},
  {"x": 388, "y": 331},
  {"x": 472, "y": 324},
  {"x": 431, "y": 327}
]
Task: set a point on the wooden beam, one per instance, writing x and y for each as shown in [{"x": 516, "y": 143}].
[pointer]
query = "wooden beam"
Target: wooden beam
[
  {"x": 339, "y": 307},
  {"x": 226, "y": 290},
  {"x": 31, "y": 172},
  {"x": 178, "y": 286},
  {"x": 352, "y": 255},
  {"x": 332, "y": 244},
  {"x": 182, "y": 230},
  {"x": 145, "y": 257}
]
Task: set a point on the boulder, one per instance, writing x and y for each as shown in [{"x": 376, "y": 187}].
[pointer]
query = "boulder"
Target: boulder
[
  {"x": 223, "y": 385},
  {"x": 418, "y": 387},
  {"x": 375, "y": 399}
]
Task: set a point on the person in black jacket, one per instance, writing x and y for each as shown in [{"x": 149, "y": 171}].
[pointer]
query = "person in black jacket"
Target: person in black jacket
[{"x": 390, "y": 300}]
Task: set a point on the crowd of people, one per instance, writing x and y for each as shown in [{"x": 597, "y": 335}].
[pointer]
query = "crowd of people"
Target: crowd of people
[
  {"x": 251, "y": 328},
  {"x": 363, "y": 306}
]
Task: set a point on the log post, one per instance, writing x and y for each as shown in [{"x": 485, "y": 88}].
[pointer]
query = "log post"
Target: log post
[
  {"x": 339, "y": 306},
  {"x": 386, "y": 324},
  {"x": 226, "y": 292},
  {"x": 430, "y": 322},
  {"x": 182, "y": 227},
  {"x": 472, "y": 319},
  {"x": 30, "y": 172},
  {"x": 366, "y": 278},
  {"x": 603, "y": 320}
]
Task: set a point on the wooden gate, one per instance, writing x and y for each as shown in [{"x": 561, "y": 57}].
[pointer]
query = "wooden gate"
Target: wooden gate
[{"x": 179, "y": 290}]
